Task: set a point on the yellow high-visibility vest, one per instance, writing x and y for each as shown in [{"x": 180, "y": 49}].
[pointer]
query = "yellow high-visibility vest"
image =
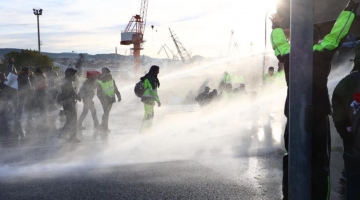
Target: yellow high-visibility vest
[{"x": 108, "y": 87}]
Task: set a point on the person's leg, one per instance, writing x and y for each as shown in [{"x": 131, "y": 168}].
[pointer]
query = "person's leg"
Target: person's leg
[
  {"x": 4, "y": 123},
  {"x": 41, "y": 121},
  {"x": 320, "y": 175},
  {"x": 352, "y": 168},
  {"x": 84, "y": 112},
  {"x": 148, "y": 117},
  {"x": 73, "y": 122},
  {"x": 17, "y": 117},
  {"x": 285, "y": 163},
  {"x": 67, "y": 126},
  {"x": 105, "y": 119},
  {"x": 93, "y": 114}
]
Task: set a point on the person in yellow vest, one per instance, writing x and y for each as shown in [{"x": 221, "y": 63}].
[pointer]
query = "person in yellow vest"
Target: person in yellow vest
[
  {"x": 106, "y": 91},
  {"x": 280, "y": 75},
  {"x": 269, "y": 78},
  {"x": 150, "y": 84},
  {"x": 228, "y": 93}
]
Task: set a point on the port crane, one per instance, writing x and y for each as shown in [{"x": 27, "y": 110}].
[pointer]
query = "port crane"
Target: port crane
[{"x": 134, "y": 34}]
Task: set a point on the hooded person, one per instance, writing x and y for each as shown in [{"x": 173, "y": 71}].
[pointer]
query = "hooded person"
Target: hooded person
[
  {"x": 150, "y": 83},
  {"x": 343, "y": 97},
  {"x": 69, "y": 98},
  {"x": 106, "y": 91},
  {"x": 87, "y": 93}
]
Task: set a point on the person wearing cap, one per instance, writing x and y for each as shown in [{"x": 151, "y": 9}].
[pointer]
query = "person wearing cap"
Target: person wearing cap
[
  {"x": 321, "y": 108},
  {"x": 87, "y": 93},
  {"x": 69, "y": 97},
  {"x": 150, "y": 96},
  {"x": 341, "y": 100},
  {"x": 106, "y": 91}
]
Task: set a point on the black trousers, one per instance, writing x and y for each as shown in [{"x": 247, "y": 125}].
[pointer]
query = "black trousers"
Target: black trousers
[
  {"x": 71, "y": 120},
  {"x": 320, "y": 161},
  {"x": 107, "y": 105}
]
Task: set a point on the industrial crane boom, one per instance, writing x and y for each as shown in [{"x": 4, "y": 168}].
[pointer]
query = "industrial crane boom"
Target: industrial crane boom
[
  {"x": 183, "y": 53},
  {"x": 143, "y": 14},
  {"x": 134, "y": 33}
]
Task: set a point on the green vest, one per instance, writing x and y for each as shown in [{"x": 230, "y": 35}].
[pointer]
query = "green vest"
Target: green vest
[{"x": 108, "y": 87}]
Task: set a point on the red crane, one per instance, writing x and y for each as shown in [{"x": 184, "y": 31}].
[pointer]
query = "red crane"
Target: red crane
[{"x": 134, "y": 34}]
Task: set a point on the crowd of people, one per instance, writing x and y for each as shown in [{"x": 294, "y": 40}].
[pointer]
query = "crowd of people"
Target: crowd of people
[
  {"x": 35, "y": 96},
  {"x": 206, "y": 97},
  {"x": 42, "y": 93}
]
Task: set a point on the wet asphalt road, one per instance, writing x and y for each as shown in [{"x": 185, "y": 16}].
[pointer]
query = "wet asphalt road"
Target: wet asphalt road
[{"x": 46, "y": 168}]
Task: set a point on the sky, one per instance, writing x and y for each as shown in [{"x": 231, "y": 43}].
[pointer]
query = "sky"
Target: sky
[{"x": 94, "y": 27}]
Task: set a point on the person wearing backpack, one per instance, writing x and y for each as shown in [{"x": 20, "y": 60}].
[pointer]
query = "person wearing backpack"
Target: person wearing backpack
[
  {"x": 150, "y": 84},
  {"x": 87, "y": 93},
  {"x": 343, "y": 116},
  {"x": 106, "y": 91}
]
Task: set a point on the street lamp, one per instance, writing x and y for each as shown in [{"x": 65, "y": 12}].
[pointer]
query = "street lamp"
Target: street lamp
[
  {"x": 37, "y": 12},
  {"x": 265, "y": 46}
]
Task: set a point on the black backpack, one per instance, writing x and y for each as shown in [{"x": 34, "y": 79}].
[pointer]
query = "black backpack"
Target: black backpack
[
  {"x": 355, "y": 119},
  {"x": 139, "y": 89}
]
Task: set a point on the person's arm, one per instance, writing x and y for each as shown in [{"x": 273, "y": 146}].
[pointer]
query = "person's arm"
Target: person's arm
[
  {"x": 73, "y": 94},
  {"x": 117, "y": 91},
  {"x": 279, "y": 42},
  {"x": 341, "y": 28},
  {"x": 99, "y": 91}
]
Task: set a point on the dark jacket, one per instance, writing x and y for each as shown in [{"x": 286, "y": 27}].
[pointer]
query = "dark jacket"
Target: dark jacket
[
  {"x": 202, "y": 98},
  {"x": 322, "y": 57},
  {"x": 68, "y": 92},
  {"x": 341, "y": 100},
  {"x": 24, "y": 83}
]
